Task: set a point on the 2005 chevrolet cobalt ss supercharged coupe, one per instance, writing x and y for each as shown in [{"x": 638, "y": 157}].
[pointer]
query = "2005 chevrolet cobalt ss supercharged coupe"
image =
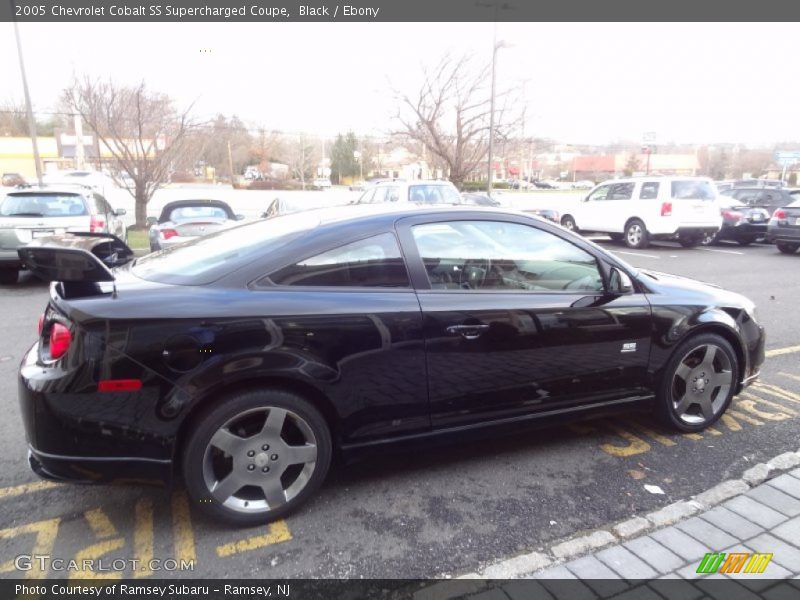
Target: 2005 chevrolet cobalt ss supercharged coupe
[{"x": 247, "y": 359}]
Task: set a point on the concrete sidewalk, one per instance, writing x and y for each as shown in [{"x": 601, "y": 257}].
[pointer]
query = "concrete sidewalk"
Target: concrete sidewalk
[{"x": 758, "y": 513}]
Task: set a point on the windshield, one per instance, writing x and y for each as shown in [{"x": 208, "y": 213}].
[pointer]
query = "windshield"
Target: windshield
[
  {"x": 43, "y": 205},
  {"x": 186, "y": 213},
  {"x": 206, "y": 259},
  {"x": 693, "y": 190}
]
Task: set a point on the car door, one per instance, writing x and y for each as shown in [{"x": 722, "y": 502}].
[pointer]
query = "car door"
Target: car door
[
  {"x": 589, "y": 214},
  {"x": 516, "y": 320},
  {"x": 617, "y": 208}
]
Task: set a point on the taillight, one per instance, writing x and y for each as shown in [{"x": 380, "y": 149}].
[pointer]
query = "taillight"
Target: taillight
[
  {"x": 41, "y": 324},
  {"x": 779, "y": 214},
  {"x": 168, "y": 233},
  {"x": 96, "y": 224},
  {"x": 666, "y": 209},
  {"x": 60, "y": 339},
  {"x": 732, "y": 215}
]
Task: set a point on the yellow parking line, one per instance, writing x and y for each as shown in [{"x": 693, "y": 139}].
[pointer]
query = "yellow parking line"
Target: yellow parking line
[
  {"x": 25, "y": 488},
  {"x": 778, "y": 392},
  {"x": 780, "y": 351},
  {"x": 46, "y": 532},
  {"x": 143, "y": 535},
  {"x": 661, "y": 439},
  {"x": 278, "y": 532},
  {"x": 182, "y": 528},
  {"x": 100, "y": 523},
  {"x": 790, "y": 376}
]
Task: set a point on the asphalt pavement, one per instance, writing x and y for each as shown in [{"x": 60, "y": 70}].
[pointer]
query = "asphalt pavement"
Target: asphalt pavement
[{"x": 424, "y": 514}]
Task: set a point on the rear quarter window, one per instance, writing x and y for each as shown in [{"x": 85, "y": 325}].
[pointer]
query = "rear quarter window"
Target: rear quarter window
[{"x": 693, "y": 190}]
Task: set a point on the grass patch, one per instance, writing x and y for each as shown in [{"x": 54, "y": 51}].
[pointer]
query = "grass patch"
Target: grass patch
[{"x": 138, "y": 239}]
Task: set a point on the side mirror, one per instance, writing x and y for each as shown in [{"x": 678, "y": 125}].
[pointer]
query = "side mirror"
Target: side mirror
[
  {"x": 240, "y": 217},
  {"x": 619, "y": 282},
  {"x": 586, "y": 199},
  {"x": 120, "y": 212}
]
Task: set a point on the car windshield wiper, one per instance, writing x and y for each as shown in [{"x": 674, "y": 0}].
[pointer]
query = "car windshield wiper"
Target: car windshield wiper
[{"x": 25, "y": 214}]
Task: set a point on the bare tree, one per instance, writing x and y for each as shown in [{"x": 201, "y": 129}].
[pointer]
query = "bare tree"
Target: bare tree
[
  {"x": 302, "y": 157},
  {"x": 450, "y": 114},
  {"x": 141, "y": 129}
]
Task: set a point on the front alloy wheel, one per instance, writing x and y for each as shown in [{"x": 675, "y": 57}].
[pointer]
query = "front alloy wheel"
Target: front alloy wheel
[
  {"x": 257, "y": 456},
  {"x": 636, "y": 234},
  {"x": 699, "y": 383}
]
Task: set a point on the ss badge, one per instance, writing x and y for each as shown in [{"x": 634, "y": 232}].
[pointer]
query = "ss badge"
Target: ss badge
[{"x": 629, "y": 347}]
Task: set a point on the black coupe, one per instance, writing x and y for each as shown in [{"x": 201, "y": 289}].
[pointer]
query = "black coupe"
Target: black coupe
[{"x": 246, "y": 360}]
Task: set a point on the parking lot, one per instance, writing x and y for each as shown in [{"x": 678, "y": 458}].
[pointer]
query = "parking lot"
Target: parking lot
[{"x": 424, "y": 514}]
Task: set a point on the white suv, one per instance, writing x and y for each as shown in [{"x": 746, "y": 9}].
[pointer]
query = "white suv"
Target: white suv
[{"x": 644, "y": 208}]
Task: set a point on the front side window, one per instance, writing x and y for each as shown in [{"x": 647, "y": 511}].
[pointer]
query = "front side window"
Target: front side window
[
  {"x": 366, "y": 197},
  {"x": 492, "y": 255},
  {"x": 649, "y": 190},
  {"x": 373, "y": 262},
  {"x": 600, "y": 193}
]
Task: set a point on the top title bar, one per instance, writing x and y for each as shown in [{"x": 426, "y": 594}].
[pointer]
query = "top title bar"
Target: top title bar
[{"x": 397, "y": 10}]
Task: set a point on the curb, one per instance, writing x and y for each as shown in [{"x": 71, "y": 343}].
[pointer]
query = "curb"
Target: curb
[{"x": 569, "y": 548}]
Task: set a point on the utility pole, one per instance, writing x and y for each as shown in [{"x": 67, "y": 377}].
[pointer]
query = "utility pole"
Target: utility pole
[
  {"x": 28, "y": 108},
  {"x": 230, "y": 164}
]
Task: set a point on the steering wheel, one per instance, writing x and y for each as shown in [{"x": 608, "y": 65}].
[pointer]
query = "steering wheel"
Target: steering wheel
[{"x": 476, "y": 265}]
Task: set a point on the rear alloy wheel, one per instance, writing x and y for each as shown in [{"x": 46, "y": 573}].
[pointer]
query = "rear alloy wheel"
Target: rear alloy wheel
[
  {"x": 787, "y": 248},
  {"x": 256, "y": 456},
  {"x": 8, "y": 276},
  {"x": 698, "y": 383},
  {"x": 567, "y": 222},
  {"x": 636, "y": 234}
]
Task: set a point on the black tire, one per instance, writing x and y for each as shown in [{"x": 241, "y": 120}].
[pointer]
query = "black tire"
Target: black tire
[
  {"x": 636, "y": 235},
  {"x": 617, "y": 237},
  {"x": 8, "y": 276},
  {"x": 567, "y": 222},
  {"x": 195, "y": 457},
  {"x": 153, "y": 247},
  {"x": 745, "y": 241},
  {"x": 787, "y": 248},
  {"x": 667, "y": 410},
  {"x": 690, "y": 241}
]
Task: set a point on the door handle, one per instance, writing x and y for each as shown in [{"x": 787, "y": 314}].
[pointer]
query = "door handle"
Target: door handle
[{"x": 468, "y": 332}]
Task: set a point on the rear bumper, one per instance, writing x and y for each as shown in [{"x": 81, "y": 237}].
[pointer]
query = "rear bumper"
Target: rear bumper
[
  {"x": 9, "y": 259},
  {"x": 743, "y": 231},
  {"x": 790, "y": 235},
  {"x": 78, "y": 437},
  {"x": 698, "y": 231}
]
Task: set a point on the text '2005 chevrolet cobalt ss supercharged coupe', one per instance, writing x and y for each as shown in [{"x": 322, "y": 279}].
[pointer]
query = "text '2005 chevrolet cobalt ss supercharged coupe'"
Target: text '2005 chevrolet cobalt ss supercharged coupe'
[{"x": 247, "y": 359}]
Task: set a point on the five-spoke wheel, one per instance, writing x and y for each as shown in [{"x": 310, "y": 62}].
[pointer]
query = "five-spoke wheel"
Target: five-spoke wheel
[
  {"x": 256, "y": 456},
  {"x": 699, "y": 382}
]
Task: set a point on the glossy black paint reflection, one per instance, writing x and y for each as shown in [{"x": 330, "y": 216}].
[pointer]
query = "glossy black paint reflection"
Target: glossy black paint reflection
[{"x": 381, "y": 365}]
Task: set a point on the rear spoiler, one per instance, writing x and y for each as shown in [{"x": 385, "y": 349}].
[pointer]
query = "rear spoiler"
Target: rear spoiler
[{"x": 76, "y": 258}]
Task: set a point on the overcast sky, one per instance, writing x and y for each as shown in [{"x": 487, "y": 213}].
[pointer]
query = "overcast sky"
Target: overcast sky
[{"x": 586, "y": 83}]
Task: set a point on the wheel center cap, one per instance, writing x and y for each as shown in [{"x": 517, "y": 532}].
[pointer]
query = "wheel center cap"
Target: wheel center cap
[
  {"x": 261, "y": 459},
  {"x": 700, "y": 385}
]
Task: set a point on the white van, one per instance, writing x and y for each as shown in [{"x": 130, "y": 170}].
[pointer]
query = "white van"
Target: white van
[{"x": 641, "y": 209}]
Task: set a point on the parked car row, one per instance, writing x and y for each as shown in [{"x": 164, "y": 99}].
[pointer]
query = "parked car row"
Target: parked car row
[{"x": 33, "y": 212}]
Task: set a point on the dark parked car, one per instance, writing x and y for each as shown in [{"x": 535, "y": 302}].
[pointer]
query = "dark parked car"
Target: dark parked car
[
  {"x": 769, "y": 199},
  {"x": 12, "y": 180},
  {"x": 247, "y": 359},
  {"x": 784, "y": 227},
  {"x": 740, "y": 223}
]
